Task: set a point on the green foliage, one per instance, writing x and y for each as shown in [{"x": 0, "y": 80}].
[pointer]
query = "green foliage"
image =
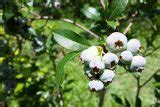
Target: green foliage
[
  {"x": 60, "y": 67},
  {"x": 116, "y": 8},
  {"x": 70, "y": 40},
  {"x": 91, "y": 13},
  {"x": 31, "y": 74}
]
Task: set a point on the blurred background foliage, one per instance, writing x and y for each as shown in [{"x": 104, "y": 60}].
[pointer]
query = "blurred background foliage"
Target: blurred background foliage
[{"x": 29, "y": 54}]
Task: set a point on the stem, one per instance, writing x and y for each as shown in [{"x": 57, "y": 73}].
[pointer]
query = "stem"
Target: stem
[
  {"x": 102, "y": 4},
  {"x": 127, "y": 28},
  {"x": 60, "y": 98},
  {"x": 149, "y": 78},
  {"x": 138, "y": 92},
  {"x": 82, "y": 27},
  {"x": 66, "y": 20},
  {"x": 101, "y": 97}
]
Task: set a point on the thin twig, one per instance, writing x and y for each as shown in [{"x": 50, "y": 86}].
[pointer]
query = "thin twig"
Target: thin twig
[
  {"x": 66, "y": 20},
  {"x": 102, "y": 4},
  {"x": 82, "y": 27},
  {"x": 37, "y": 16},
  {"x": 134, "y": 76},
  {"x": 149, "y": 78},
  {"x": 127, "y": 28}
]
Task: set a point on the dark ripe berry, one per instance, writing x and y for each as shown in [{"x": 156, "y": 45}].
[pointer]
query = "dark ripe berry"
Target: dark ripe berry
[
  {"x": 10, "y": 85},
  {"x": 14, "y": 24}
]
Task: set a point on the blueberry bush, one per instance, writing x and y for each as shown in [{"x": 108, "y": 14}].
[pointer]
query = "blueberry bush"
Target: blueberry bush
[{"x": 74, "y": 53}]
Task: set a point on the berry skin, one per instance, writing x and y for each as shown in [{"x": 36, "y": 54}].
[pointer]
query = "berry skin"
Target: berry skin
[
  {"x": 57, "y": 4},
  {"x": 107, "y": 76},
  {"x": 96, "y": 85},
  {"x": 138, "y": 63},
  {"x": 126, "y": 56},
  {"x": 92, "y": 52},
  {"x": 117, "y": 41},
  {"x": 110, "y": 60},
  {"x": 134, "y": 46},
  {"x": 97, "y": 63}
]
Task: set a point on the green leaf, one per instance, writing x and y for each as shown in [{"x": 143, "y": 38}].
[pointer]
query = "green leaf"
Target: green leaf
[
  {"x": 127, "y": 103},
  {"x": 70, "y": 40},
  {"x": 19, "y": 87},
  {"x": 113, "y": 24},
  {"x": 116, "y": 8},
  {"x": 117, "y": 99},
  {"x": 91, "y": 13},
  {"x": 62, "y": 63}
]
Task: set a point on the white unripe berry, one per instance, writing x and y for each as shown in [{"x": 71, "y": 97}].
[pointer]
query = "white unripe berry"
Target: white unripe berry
[
  {"x": 57, "y": 4},
  {"x": 110, "y": 60},
  {"x": 117, "y": 41},
  {"x": 97, "y": 63},
  {"x": 126, "y": 56},
  {"x": 134, "y": 46},
  {"x": 92, "y": 52},
  {"x": 107, "y": 75},
  {"x": 96, "y": 85},
  {"x": 138, "y": 63}
]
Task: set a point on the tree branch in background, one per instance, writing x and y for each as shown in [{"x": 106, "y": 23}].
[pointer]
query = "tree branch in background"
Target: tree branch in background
[
  {"x": 102, "y": 4},
  {"x": 66, "y": 20},
  {"x": 127, "y": 28},
  {"x": 82, "y": 27}
]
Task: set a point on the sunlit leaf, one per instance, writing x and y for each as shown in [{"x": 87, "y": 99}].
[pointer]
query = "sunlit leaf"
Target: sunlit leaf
[
  {"x": 60, "y": 67},
  {"x": 91, "y": 13},
  {"x": 70, "y": 39},
  {"x": 116, "y": 8}
]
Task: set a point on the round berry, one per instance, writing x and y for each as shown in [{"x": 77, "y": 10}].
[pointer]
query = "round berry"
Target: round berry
[
  {"x": 110, "y": 60},
  {"x": 97, "y": 63},
  {"x": 57, "y": 4},
  {"x": 138, "y": 63},
  {"x": 134, "y": 46},
  {"x": 126, "y": 56},
  {"x": 117, "y": 41},
  {"x": 107, "y": 75},
  {"x": 92, "y": 52},
  {"x": 96, "y": 85}
]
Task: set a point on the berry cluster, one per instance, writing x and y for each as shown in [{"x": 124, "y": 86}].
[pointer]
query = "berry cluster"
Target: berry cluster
[{"x": 100, "y": 62}]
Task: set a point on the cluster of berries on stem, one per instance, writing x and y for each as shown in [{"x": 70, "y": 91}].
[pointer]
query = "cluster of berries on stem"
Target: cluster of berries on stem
[{"x": 100, "y": 65}]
